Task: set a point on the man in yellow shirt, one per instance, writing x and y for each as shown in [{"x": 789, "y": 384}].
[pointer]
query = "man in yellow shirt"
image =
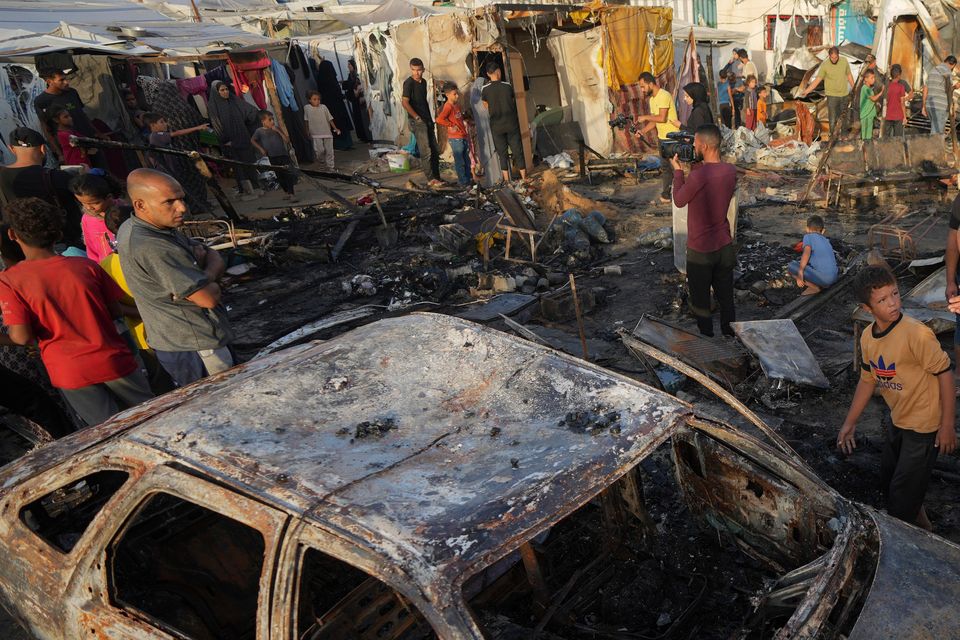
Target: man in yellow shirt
[
  {"x": 837, "y": 81},
  {"x": 663, "y": 113}
]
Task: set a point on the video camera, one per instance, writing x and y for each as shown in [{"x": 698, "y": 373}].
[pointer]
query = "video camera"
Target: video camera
[
  {"x": 622, "y": 121},
  {"x": 680, "y": 144}
]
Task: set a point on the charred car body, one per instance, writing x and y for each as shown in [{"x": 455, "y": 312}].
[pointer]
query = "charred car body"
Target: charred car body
[{"x": 419, "y": 477}]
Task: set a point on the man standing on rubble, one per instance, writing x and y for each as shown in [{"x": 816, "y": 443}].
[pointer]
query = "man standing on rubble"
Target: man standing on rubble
[
  {"x": 837, "y": 82},
  {"x": 417, "y": 106},
  {"x": 663, "y": 113},
  {"x": 174, "y": 281},
  {"x": 937, "y": 93},
  {"x": 711, "y": 256}
]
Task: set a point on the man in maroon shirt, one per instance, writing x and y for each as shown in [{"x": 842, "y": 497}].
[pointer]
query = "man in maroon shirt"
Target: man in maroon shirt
[
  {"x": 68, "y": 306},
  {"x": 711, "y": 256}
]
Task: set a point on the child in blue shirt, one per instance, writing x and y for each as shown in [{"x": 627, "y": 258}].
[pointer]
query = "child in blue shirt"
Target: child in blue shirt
[
  {"x": 725, "y": 99},
  {"x": 817, "y": 268}
]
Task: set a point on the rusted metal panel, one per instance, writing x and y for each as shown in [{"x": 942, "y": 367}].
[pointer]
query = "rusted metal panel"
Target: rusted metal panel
[
  {"x": 915, "y": 589},
  {"x": 722, "y": 361}
]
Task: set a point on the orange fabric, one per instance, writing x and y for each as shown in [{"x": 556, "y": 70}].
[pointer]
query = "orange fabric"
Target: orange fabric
[
  {"x": 627, "y": 45},
  {"x": 761, "y": 112}
]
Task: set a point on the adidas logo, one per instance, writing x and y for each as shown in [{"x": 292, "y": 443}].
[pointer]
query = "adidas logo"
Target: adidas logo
[{"x": 883, "y": 370}]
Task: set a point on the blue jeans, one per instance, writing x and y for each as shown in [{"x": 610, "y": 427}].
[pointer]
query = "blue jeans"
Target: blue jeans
[
  {"x": 938, "y": 119},
  {"x": 811, "y": 275},
  {"x": 461, "y": 160}
]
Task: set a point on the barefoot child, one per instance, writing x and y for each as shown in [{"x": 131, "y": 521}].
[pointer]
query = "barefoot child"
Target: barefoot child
[
  {"x": 271, "y": 142},
  {"x": 320, "y": 128},
  {"x": 817, "y": 268},
  {"x": 902, "y": 358}
]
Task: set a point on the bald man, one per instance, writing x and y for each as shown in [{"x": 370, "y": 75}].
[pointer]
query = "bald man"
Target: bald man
[{"x": 173, "y": 278}]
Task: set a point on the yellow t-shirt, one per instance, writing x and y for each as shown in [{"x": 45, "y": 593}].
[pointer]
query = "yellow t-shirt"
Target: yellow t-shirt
[
  {"x": 111, "y": 264},
  {"x": 904, "y": 362},
  {"x": 663, "y": 100}
]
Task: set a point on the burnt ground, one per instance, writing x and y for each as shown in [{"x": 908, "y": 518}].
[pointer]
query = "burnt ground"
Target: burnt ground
[{"x": 295, "y": 282}]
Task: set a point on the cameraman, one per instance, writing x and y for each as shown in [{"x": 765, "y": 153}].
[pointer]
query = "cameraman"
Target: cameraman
[
  {"x": 662, "y": 115},
  {"x": 711, "y": 255}
]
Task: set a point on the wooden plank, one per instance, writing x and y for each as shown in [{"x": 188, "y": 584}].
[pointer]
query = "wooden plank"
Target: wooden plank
[
  {"x": 516, "y": 79},
  {"x": 335, "y": 252}
]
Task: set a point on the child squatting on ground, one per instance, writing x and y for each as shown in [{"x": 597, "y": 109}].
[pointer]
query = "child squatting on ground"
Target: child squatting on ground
[
  {"x": 272, "y": 143},
  {"x": 817, "y": 268},
  {"x": 902, "y": 358}
]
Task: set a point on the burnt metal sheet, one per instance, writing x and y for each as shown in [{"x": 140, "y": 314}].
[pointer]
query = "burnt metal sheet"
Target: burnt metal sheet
[
  {"x": 848, "y": 158},
  {"x": 915, "y": 588},
  {"x": 927, "y": 147},
  {"x": 929, "y": 293},
  {"x": 886, "y": 154},
  {"x": 505, "y": 303},
  {"x": 437, "y": 443},
  {"x": 723, "y": 361},
  {"x": 782, "y": 352}
]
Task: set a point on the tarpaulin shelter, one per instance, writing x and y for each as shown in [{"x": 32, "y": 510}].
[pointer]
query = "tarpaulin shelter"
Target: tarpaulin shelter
[
  {"x": 557, "y": 57},
  {"x": 710, "y": 45},
  {"x": 907, "y": 35}
]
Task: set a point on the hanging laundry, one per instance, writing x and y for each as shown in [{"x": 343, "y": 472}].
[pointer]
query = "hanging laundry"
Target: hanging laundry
[
  {"x": 285, "y": 92},
  {"x": 192, "y": 86}
]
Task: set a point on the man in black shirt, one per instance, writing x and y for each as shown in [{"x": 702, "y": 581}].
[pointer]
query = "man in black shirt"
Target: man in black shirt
[
  {"x": 417, "y": 105},
  {"x": 501, "y": 104},
  {"x": 28, "y": 178},
  {"x": 57, "y": 95}
]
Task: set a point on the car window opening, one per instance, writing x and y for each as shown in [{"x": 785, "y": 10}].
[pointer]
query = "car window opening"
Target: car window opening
[
  {"x": 727, "y": 535},
  {"x": 190, "y": 569},
  {"x": 337, "y": 601},
  {"x": 62, "y": 516}
]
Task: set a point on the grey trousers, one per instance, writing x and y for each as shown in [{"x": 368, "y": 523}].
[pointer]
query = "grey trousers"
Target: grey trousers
[
  {"x": 892, "y": 128},
  {"x": 98, "y": 402},
  {"x": 185, "y": 367},
  {"x": 835, "y": 105}
]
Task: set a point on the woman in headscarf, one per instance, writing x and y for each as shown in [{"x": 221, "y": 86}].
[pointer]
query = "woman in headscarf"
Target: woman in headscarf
[
  {"x": 234, "y": 120},
  {"x": 332, "y": 96},
  {"x": 695, "y": 94},
  {"x": 358, "y": 104}
]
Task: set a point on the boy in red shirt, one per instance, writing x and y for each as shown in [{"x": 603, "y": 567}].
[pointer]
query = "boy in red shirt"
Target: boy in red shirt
[
  {"x": 895, "y": 117},
  {"x": 68, "y": 306},
  {"x": 451, "y": 117}
]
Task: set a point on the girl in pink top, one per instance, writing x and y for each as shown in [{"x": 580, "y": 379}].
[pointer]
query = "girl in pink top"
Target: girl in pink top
[{"x": 97, "y": 194}]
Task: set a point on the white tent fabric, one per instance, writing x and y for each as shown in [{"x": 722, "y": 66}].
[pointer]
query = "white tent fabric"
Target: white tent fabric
[
  {"x": 389, "y": 11},
  {"x": 174, "y": 37},
  {"x": 45, "y": 17},
  {"x": 18, "y": 42},
  {"x": 708, "y": 35},
  {"x": 582, "y": 88}
]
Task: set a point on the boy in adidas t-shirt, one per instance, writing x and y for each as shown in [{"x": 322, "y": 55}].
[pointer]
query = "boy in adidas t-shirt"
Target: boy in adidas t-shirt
[{"x": 902, "y": 358}]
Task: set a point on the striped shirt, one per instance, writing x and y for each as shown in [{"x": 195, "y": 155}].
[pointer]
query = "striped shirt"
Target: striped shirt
[{"x": 937, "y": 81}]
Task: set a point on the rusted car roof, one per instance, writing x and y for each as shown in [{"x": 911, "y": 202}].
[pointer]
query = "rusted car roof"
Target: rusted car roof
[{"x": 428, "y": 438}]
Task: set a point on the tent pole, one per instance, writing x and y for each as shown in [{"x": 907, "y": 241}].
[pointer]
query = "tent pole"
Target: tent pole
[
  {"x": 196, "y": 12},
  {"x": 712, "y": 87}
]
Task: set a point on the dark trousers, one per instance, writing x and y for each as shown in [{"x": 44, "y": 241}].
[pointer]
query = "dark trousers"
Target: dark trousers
[
  {"x": 892, "y": 128},
  {"x": 905, "y": 466},
  {"x": 27, "y": 399},
  {"x": 835, "y": 105},
  {"x": 711, "y": 270},
  {"x": 738, "y": 110},
  {"x": 285, "y": 177},
  {"x": 666, "y": 178},
  {"x": 726, "y": 115},
  {"x": 243, "y": 155},
  {"x": 426, "y": 137},
  {"x": 502, "y": 140}
]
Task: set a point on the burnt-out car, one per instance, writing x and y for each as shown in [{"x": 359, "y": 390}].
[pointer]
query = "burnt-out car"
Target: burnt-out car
[{"x": 426, "y": 477}]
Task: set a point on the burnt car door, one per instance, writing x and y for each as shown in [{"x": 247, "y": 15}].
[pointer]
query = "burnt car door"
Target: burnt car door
[
  {"x": 328, "y": 589},
  {"x": 181, "y": 558},
  {"x": 50, "y": 523}
]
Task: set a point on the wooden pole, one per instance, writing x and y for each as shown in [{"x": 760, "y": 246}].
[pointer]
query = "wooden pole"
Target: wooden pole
[
  {"x": 576, "y": 308},
  {"x": 712, "y": 88},
  {"x": 196, "y": 12}
]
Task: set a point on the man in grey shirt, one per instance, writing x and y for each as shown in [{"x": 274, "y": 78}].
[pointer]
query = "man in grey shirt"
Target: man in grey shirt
[{"x": 174, "y": 281}]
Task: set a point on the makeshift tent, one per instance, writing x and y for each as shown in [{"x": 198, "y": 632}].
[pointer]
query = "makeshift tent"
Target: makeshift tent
[
  {"x": 713, "y": 48},
  {"x": 900, "y": 23},
  {"x": 636, "y": 40}
]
